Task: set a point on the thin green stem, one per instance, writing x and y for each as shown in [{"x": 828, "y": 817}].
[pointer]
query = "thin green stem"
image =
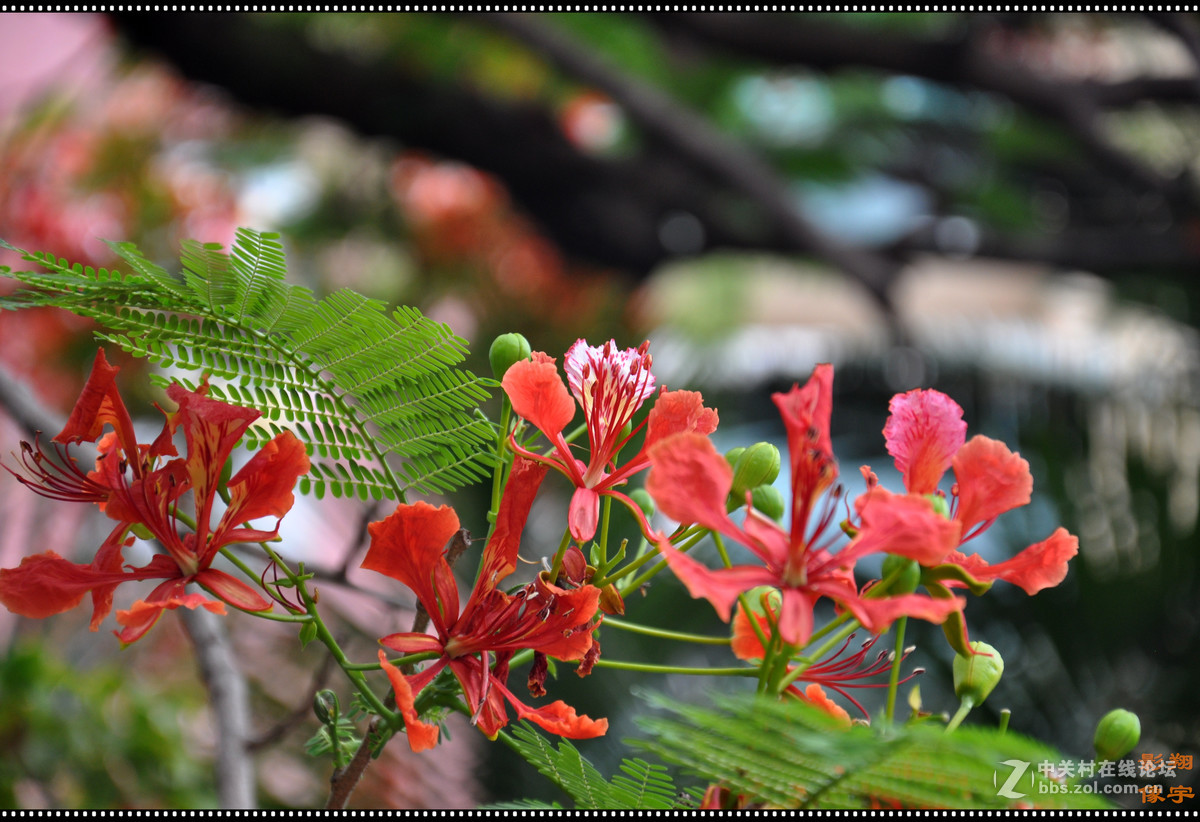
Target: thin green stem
[
  {"x": 720, "y": 543},
  {"x": 605, "y": 516},
  {"x": 673, "y": 669},
  {"x": 411, "y": 659},
  {"x": 641, "y": 580},
  {"x": 501, "y": 462},
  {"x": 963, "y": 710},
  {"x": 1004, "y": 717},
  {"x": 646, "y": 630},
  {"x": 556, "y": 566},
  {"x": 894, "y": 678}
]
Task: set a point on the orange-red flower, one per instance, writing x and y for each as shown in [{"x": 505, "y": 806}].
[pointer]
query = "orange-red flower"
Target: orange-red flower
[
  {"x": 131, "y": 488},
  {"x": 610, "y": 385},
  {"x": 690, "y": 482},
  {"x": 409, "y": 546},
  {"x": 926, "y": 435}
]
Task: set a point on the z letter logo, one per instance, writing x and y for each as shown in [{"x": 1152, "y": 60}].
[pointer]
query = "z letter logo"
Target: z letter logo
[{"x": 1018, "y": 770}]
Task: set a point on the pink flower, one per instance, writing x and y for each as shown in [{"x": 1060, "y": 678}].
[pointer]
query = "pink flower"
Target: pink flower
[
  {"x": 926, "y": 435},
  {"x": 690, "y": 482},
  {"x": 610, "y": 385}
]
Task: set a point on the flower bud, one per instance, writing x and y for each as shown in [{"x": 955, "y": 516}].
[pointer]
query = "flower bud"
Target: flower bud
[
  {"x": 731, "y": 456},
  {"x": 976, "y": 673},
  {"x": 506, "y": 350},
  {"x": 574, "y": 566},
  {"x": 1117, "y": 734},
  {"x": 940, "y": 504},
  {"x": 908, "y": 574},
  {"x": 611, "y": 602},
  {"x": 325, "y": 706},
  {"x": 644, "y": 501},
  {"x": 756, "y": 465},
  {"x": 768, "y": 500}
]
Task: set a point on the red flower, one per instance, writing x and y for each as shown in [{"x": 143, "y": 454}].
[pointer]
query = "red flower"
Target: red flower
[
  {"x": 926, "y": 435},
  {"x": 408, "y": 546},
  {"x": 47, "y": 584},
  {"x": 610, "y": 386},
  {"x": 690, "y": 482}
]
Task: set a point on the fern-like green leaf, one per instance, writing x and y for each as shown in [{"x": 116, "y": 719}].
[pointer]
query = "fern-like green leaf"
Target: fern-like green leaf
[
  {"x": 642, "y": 786},
  {"x": 379, "y": 398},
  {"x": 788, "y": 754}
]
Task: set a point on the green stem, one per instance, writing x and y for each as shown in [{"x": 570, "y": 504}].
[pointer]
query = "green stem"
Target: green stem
[
  {"x": 674, "y": 669},
  {"x": 641, "y": 580},
  {"x": 720, "y": 543},
  {"x": 634, "y": 628},
  {"x": 556, "y": 566},
  {"x": 411, "y": 659},
  {"x": 501, "y": 462},
  {"x": 1004, "y": 717},
  {"x": 963, "y": 710},
  {"x": 894, "y": 679},
  {"x": 605, "y": 515}
]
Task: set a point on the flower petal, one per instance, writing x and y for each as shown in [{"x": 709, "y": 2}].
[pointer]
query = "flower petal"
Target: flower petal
[
  {"x": 815, "y": 695},
  {"x": 901, "y": 524},
  {"x": 923, "y": 433},
  {"x": 408, "y": 546},
  {"x": 991, "y": 480},
  {"x": 411, "y": 643},
  {"x": 877, "y": 615},
  {"x": 677, "y": 412},
  {"x": 231, "y": 590},
  {"x": 500, "y": 553},
  {"x": 168, "y": 596},
  {"x": 806, "y": 413},
  {"x": 720, "y": 587},
  {"x": 263, "y": 486},
  {"x": 1042, "y": 565},
  {"x": 583, "y": 514},
  {"x": 537, "y": 394},
  {"x": 46, "y": 584},
  {"x": 796, "y": 616},
  {"x": 421, "y": 735},
  {"x": 690, "y": 481},
  {"x": 98, "y": 405},
  {"x": 558, "y": 717},
  {"x": 212, "y": 429}
]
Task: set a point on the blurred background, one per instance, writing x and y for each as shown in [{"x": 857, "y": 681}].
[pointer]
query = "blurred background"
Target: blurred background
[{"x": 1002, "y": 207}]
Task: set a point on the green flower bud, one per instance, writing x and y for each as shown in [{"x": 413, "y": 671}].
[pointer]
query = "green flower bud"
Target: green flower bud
[
  {"x": 644, "y": 501},
  {"x": 976, "y": 674},
  {"x": 731, "y": 456},
  {"x": 1117, "y": 734},
  {"x": 908, "y": 578},
  {"x": 506, "y": 350},
  {"x": 940, "y": 504},
  {"x": 325, "y": 706},
  {"x": 762, "y": 600},
  {"x": 756, "y": 465},
  {"x": 768, "y": 500}
]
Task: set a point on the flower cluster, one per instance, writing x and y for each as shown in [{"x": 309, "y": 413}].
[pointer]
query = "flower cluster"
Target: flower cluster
[
  {"x": 464, "y": 662},
  {"x": 139, "y": 487}
]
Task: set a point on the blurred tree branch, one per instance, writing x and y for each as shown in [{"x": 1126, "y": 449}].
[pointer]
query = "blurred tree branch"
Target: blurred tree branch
[{"x": 608, "y": 209}]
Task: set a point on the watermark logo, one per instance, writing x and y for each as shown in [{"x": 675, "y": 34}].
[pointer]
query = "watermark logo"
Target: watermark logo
[{"x": 1018, "y": 770}]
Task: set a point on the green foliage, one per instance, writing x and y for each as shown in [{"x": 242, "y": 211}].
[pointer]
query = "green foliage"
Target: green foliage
[
  {"x": 640, "y": 786},
  {"x": 791, "y": 755},
  {"x": 357, "y": 384},
  {"x": 93, "y": 739}
]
